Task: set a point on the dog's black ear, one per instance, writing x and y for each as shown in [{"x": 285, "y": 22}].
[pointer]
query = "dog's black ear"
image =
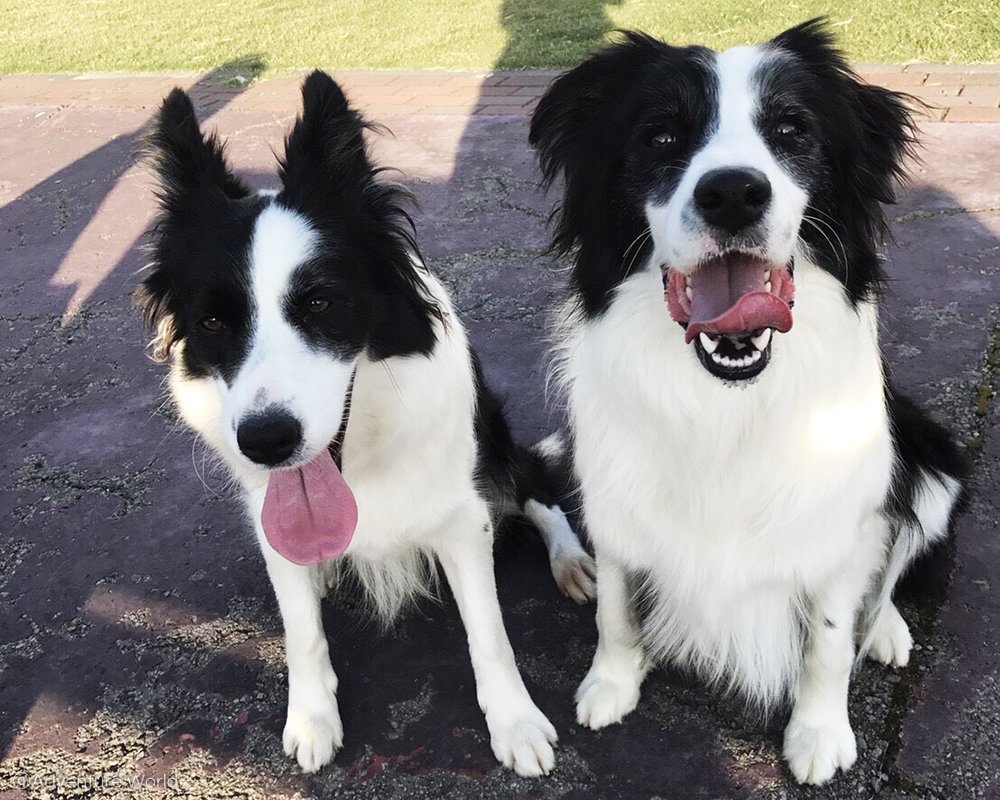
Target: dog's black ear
[
  {"x": 187, "y": 162},
  {"x": 328, "y": 175},
  {"x": 325, "y": 152},
  {"x": 192, "y": 175},
  {"x": 876, "y": 124},
  {"x": 868, "y": 132},
  {"x": 576, "y": 131},
  {"x": 886, "y": 121}
]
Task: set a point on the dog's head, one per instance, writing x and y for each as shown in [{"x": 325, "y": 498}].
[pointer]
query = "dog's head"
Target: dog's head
[
  {"x": 269, "y": 299},
  {"x": 717, "y": 169}
]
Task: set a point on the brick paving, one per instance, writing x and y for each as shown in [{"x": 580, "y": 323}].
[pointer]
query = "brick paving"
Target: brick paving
[{"x": 952, "y": 92}]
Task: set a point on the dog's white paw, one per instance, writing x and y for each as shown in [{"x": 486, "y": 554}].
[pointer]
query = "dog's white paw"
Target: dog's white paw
[
  {"x": 890, "y": 639},
  {"x": 523, "y": 742},
  {"x": 815, "y": 752},
  {"x": 576, "y": 574},
  {"x": 313, "y": 735},
  {"x": 602, "y": 701}
]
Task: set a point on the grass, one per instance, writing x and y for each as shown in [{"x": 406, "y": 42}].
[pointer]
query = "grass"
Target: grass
[{"x": 283, "y": 35}]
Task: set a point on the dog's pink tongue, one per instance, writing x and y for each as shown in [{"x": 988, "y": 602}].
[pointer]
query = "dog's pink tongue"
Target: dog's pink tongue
[
  {"x": 309, "y": 513},
  {"x": 729, "y": 296}
]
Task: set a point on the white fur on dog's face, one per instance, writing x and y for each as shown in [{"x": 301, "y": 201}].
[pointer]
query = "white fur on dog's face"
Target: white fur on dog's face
[
  {"x": 282, "y": 371},
  {"x": 680, "y": 236}
]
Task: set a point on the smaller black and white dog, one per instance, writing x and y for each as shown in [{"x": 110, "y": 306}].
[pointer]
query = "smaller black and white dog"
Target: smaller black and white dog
[
  {"x": 762, "y": 479},
  {"x": 312, "y": 350}
]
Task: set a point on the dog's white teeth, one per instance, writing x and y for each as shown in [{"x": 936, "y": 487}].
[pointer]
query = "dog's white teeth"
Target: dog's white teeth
[
  {"x": 716, "y": 358},
  {"x": 761, "y": 342},
  {"x": 767, "y": 275},
  {"x": 688, "y": 292},
  {"x": 767, "y": 286},
  {"x": 755, "y": 357},
  {"x": 708, "y": 342}
]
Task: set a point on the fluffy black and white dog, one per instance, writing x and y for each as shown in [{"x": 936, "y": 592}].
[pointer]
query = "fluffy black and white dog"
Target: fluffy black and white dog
[
  {"x": 739, "y": 447},
  {"x": 315, "y": 353}
]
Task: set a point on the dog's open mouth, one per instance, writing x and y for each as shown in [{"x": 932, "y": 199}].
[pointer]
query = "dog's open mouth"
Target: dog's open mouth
[
  {"x": 309, "y": 512},
  {"x": 729, "y": 307}
]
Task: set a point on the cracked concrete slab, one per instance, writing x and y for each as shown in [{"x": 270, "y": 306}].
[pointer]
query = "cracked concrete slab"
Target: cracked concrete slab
[{"x": 140, "y": 649}]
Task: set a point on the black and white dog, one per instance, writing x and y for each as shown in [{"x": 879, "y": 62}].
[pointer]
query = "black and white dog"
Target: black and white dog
[
  {"x": 739, "y": 447},
  {"x": 327, "y": 367}
]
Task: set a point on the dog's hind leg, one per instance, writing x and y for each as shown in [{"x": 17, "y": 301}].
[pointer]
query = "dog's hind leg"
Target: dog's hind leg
[
  {"x": 928, "y": 485},
  {"x": 887, "y": 637},
  {"x": 520, "y": 734},
  {"x": 313, "y": 730},
  {"x": 572, "y": 567}
]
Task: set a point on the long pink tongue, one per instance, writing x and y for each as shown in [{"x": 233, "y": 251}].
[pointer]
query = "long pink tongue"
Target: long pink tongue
[
  {"x": 309, "y": 513},
  {"x": 752, "y": 312},
  {"x": 729, "y": 296}
]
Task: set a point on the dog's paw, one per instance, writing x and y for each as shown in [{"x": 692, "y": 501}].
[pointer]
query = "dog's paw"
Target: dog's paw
[
  {"x": 601, "y": 701},
  {"x": 312, "y": 736},
  {"x": 890, "y": 641},
  {"x": 815, "y": 752},
  {"x": 523, "y": 742},
  {"x": 576, "y": 575}
]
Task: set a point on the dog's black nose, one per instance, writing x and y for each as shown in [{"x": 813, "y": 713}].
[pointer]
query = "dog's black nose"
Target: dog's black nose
[
  {"x": 269, "y": 437},
  {"x": 732, "y": 199}
]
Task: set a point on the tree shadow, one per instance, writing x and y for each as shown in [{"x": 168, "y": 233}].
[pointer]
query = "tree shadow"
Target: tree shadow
[{"x": 556, "y": 32}]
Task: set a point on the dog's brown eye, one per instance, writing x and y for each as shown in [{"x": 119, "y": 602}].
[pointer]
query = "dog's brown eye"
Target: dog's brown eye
[
  {"x": 211, "y": 324},
  {"x": 318, "y": 305},
  {"x": 664, "y": 139},
  {"x": 787, "y": 128}
]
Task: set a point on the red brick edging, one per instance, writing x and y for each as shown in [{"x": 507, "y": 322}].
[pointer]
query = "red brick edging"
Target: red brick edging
[{"x": 955, "y": 93}]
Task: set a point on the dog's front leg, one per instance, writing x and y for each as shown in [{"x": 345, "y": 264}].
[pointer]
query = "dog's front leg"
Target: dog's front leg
[
  {"x": 818, "y": 738},
  {"x": 520, "y": 734},
  {"x": 611, "y": 688},
  {"x": 313, "y": 731}
]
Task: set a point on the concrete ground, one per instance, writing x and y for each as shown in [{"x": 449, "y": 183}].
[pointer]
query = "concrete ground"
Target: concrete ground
[{"x": 140, "y": 649}]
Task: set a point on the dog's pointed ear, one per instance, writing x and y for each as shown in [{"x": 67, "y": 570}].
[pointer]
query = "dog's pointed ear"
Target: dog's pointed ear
[
  {"x": 187, "y": 162},
  {"x": 326, "y": 149}
]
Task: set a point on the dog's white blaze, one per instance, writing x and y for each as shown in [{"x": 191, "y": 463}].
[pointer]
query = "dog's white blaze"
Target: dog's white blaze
[
  {"x": 279, "y": 356},
  {"x": 679, "y": 236}
]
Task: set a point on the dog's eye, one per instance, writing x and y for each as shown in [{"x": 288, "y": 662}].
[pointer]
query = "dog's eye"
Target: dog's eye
[
  {"x": 663, "y": 139},
  {"x": 318, "y": 305},
  {"x": 788, "y": 127},
  {"x": 211, "y": 324}
]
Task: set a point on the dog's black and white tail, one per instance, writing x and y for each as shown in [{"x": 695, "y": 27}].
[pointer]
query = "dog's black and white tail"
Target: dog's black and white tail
[
  {"x": 929, "y": 484},
  {"x": 524, "y": 482}
]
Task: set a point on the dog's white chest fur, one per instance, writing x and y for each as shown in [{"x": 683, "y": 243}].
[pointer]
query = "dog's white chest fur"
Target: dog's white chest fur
[{"x": 737, "y": 502}]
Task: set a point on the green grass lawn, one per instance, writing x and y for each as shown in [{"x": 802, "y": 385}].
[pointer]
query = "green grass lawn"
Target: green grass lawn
[{"x": 280, "y": 35}]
